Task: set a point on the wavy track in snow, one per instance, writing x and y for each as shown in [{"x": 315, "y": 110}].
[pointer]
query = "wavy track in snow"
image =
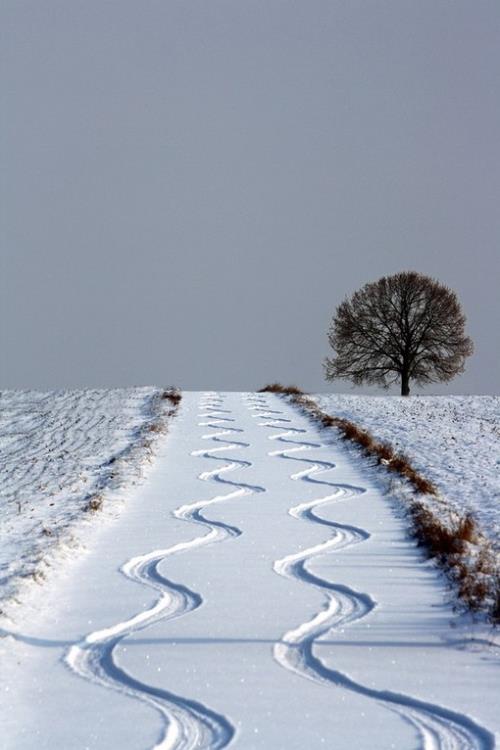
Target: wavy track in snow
[
  {"x": 187, "y": 724},
  {"x": 439, "y": 728}
]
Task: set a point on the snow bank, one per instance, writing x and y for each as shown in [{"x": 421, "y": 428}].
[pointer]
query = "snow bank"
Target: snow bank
[{"x": 59, "y": 451}]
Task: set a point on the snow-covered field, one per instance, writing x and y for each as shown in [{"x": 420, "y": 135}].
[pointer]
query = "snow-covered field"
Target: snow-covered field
[
  {"x": 452, "y": 440},
  {"x": 257, "y": 591},
  {"x": 58, "y": 451}
]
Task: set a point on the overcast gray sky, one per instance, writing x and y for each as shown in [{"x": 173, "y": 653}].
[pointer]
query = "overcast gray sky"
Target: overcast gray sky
[{"x": 188, "y": 189}]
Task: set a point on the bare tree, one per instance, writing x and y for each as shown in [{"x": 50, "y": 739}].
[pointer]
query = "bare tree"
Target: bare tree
[{"x": 401, "y": 328}]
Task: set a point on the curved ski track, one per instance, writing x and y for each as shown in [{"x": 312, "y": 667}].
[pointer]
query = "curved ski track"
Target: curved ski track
[
  {"x": 188, "y": 724},
  {"x": 439, "y": 728}
]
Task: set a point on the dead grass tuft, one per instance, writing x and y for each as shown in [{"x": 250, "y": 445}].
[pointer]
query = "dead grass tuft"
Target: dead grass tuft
[
  {"x": 424, "y": 486},
  {"x": 94, "y": 504},
  {"x": 439, "y": 539},
  {"x": 400, "y": 464},
  {"x": 173, "y": 395},
  {"x": 383, "y": 451},
  {"x": 467, "y": 530},
  {"x": 352, "y": 432},
  {"x": 464, "y": 554},
  {"x": 157, "y": 427},
  {"x": 473, "y": 591}
]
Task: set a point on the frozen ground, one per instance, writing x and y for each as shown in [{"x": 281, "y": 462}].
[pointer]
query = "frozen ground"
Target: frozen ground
[
  {"x": 257, "y": 591},
  {"x": 452, "y": 440},
  {"x": 57, "y": 451}
]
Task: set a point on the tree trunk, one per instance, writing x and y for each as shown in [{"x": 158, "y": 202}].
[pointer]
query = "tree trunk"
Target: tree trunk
[{"x": 405, "y": 384}]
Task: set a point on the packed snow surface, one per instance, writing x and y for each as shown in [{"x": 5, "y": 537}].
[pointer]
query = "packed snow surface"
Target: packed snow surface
[
  {"x": 57, "y": 451},
  {"x": 257, "y": 591},
  {"x": 452, "y": 440}
]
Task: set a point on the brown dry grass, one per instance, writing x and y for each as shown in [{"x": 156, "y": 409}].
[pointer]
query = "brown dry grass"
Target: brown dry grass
[
  {"x": 443, "y": 539},
  {"x": 156, "y": 427},
  {"x": 465, "y": 555},
  {"x": 287, "y": 390},
  {"x": 173, "y": 395},
  {"x": 94, "y": 504}
]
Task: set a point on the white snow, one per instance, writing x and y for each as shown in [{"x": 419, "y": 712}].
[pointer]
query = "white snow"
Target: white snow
[
  {"x": 452, "y": 440},
  {"x": 57, "y": 450},
  {"x": 257, "y": 591}
]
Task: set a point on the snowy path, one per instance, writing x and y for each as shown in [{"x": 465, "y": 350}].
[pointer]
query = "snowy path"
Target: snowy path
[{"x": 276, "y": 603}]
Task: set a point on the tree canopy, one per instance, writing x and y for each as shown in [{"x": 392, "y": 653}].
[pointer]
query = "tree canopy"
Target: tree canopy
[{"x": 406, "y": 327}]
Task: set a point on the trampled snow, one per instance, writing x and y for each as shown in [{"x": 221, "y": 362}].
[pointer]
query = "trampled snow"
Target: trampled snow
[
  {"x": 452, "y": 440},
  {"x": 258, "y": 590}
]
